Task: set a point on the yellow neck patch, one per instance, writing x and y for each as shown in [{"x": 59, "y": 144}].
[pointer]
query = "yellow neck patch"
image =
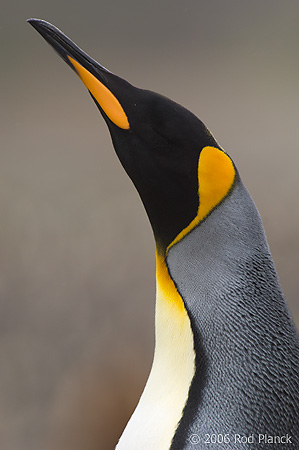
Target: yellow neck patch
[
  {"x": 107, "y": 101},
  {"x": 166, "y": 287},
  {"x": 216, "y": 176}
]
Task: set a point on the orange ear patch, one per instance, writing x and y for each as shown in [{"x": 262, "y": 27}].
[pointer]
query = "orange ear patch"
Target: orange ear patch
[
  {"x": 216, "y": 176},
  {"x": 107, "y": 101}
]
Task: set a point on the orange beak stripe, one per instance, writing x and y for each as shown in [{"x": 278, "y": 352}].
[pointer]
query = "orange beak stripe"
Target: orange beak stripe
[{"x": 107, "y": 101}]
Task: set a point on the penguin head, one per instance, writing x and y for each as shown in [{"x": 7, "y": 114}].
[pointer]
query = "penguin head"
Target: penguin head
[
  {"x": 158, "y": 142},
  {"x": 160, "y": 153}
]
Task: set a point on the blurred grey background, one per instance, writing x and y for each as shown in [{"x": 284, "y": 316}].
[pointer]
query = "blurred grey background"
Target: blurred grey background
[{"x": 77, "y": 254}]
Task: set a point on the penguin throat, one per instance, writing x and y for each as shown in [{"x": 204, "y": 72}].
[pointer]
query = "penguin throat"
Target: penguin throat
[{"x": 161, "y": 405}]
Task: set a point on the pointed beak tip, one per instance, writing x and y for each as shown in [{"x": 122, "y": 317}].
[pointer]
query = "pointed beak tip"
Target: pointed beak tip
[
  {"x": 43, "y": 27},
  {"x": 35, "y": 22}
]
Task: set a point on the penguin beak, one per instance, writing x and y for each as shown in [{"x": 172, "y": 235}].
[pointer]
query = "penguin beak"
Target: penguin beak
[{"x": 95, "y": 77}]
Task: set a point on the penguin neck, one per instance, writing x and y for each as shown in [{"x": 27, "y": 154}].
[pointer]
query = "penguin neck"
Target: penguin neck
[
  {"x": 242, "y": 329},
  {"x": 161, "y": 405}
]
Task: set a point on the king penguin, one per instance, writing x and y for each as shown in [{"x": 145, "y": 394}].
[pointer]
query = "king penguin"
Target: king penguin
[{"x": 225, "y": 372}]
